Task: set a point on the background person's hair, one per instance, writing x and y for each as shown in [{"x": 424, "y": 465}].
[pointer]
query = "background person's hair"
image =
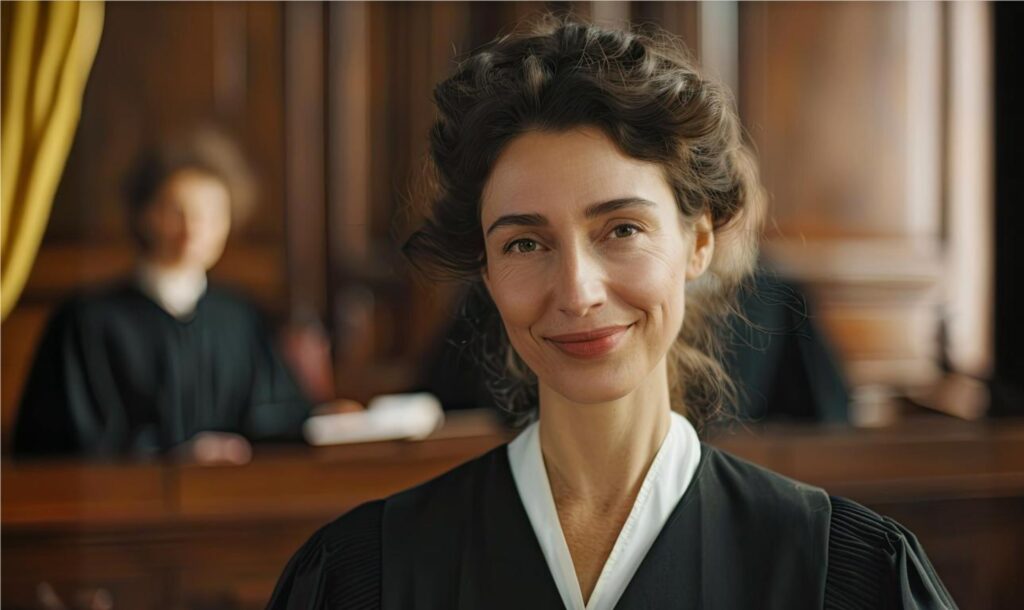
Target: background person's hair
[
  {"x": 203, "y": 150},
  {"x": 646, "y": 93}
]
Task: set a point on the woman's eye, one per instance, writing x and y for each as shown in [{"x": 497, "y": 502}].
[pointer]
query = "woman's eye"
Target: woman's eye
[
  {"x": 625, "y": 230},
  {"x": 522, "y": 246}
]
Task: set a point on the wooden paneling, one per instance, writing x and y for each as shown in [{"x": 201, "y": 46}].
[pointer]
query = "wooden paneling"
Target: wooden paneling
[
  {"x": 824, "y": 97},
  {"x": 679, "y": 18},
  {"x": 254, "y": 267},
  {"x": 384, "y": 319},
  {"x": 845, "y": 104},
  {"x": 333, "y": 104},
  {"x": 162, "y": 68},
  {"x": 304, "y": 157}
]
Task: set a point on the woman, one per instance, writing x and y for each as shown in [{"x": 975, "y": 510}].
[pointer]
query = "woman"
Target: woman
[
  {"x": 161, "y": 360},
  {"x": 597, "y": 190}
]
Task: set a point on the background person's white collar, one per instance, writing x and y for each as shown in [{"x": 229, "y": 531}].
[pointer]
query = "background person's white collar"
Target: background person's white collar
[
  {"x": 176, "y": 291},
  {"x": 666, "y": 480}
]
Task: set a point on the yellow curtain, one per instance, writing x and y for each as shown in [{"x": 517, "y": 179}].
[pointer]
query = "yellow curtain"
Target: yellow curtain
[{"x": 48, "y": 49}]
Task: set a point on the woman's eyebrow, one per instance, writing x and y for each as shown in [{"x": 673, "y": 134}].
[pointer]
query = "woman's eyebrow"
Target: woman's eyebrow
[
  {"x": 520, "y": 220},
  {"x": 607, "y": 207},
  {"x": 598, "y": 209}
]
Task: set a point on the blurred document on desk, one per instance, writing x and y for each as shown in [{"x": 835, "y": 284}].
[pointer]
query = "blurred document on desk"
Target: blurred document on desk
[{"x": 388, "y": 417}]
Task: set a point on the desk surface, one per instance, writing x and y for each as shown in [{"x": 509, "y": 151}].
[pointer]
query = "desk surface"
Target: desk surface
[{"x": 927, "y": 458}]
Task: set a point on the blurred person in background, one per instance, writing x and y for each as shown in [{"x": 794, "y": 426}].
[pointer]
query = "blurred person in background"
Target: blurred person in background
[{"x": 163, "y": 360}]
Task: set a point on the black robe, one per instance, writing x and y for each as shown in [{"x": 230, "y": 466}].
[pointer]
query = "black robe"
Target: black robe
[
  {"x": 116, "y": 374},
  {"x": 740, "y": 537}
]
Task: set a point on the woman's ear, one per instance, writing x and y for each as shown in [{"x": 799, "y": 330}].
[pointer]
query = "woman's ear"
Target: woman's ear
[{"x": 703, "y": 247}]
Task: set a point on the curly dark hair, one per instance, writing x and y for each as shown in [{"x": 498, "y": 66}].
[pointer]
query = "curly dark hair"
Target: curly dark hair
[{"x": 645, "y": 92}]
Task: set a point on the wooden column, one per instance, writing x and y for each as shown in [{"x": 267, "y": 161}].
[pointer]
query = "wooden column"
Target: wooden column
[
  {"x": 304, "y": 157},
  {"x": 844, "y": 102}
]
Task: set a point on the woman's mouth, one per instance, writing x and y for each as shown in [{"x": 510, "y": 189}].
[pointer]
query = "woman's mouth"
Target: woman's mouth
[{"x": 590, "y": 344}]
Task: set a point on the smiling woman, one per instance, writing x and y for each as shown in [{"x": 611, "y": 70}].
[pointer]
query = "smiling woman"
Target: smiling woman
[
  {"x": 590, "y": 282},
  {"x": 649, "y": 123},
  {"x": 596, "y": 190}
]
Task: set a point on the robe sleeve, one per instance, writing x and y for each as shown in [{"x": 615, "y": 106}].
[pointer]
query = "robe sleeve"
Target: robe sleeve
[
  {"x": 876, "y": 563},
  {"x": 69, "y": 404},
  {"x": 44, "y": 423},
  {"x": 339, "y": 567},
  {"x": 277, "y": 406}
]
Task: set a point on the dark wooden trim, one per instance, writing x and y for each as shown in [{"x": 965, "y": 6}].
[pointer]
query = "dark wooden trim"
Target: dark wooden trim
[{"x": 305, "y": 217}]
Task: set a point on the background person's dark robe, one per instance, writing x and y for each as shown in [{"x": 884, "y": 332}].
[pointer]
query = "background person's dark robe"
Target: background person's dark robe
[
  {"x": 779, "y": 357},
  {"x": 741, "y": 537},
  {"x": 116, "y": 374}
]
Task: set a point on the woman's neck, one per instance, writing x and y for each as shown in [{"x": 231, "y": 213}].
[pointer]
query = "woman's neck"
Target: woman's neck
[{"x": 598, "y": 454}]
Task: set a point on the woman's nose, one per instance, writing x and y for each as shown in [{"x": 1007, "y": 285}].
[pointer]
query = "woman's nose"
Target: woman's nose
[{"x": 581, "y": 287}]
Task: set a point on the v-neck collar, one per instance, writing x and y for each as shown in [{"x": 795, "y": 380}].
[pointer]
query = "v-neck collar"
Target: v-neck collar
[
  {"x": 665, "y": 483},
  {"x": 131, "y": 286}
]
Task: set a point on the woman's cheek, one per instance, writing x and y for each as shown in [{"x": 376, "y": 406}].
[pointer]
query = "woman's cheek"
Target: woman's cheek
[
  {"x": 520, "y": 302},
  {"x": 648, "y": 281},
  {"x": 517, "y": 290}
]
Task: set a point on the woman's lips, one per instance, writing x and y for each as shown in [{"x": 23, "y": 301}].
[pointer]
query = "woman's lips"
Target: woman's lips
[{"x": 590, "y": 344}]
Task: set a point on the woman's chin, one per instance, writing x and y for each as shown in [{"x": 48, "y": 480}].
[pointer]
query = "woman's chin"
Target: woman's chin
[{"x": 596, "y": 393}]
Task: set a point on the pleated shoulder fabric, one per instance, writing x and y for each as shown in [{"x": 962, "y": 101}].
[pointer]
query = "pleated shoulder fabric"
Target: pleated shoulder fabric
[
  {"x": 338, "y": 567},
  {"x": 741, "y": 537},
  {"x": 875, "y": 562}
]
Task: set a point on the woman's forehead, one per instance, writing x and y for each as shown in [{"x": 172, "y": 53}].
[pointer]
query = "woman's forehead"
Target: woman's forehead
[{"x": 567, "y": 172}]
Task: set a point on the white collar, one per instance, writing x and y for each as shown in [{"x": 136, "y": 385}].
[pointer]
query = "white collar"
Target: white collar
[
  {"x": 177, "y": 292},
  {"x": 666, "y": 480}
]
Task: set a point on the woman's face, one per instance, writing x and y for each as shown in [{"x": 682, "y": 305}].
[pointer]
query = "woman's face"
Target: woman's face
[
  {"x": 188, "y": 221},
  {"x": 587, "y": 261}
]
